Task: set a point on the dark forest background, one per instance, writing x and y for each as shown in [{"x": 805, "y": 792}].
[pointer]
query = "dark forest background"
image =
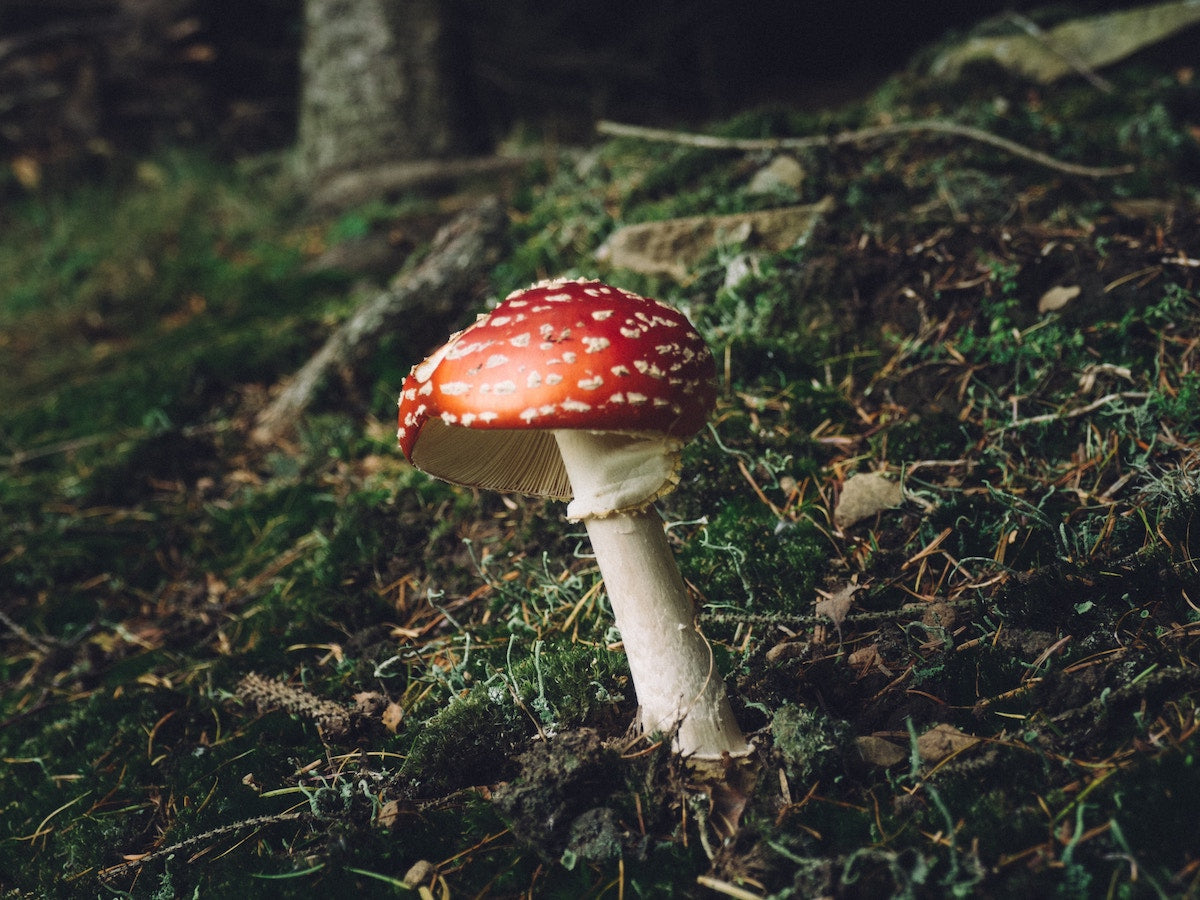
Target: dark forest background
[{"x": 80, "y": 78}]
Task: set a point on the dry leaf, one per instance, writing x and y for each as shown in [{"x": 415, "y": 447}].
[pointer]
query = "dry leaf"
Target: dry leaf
[
  {"x": 942, "y": 740},
  {"x": 1057, "y": 298},
  {"x": 781, "y": 173},
  {"x": 420, "y": 872},
  {"x": 789, "y": 649},
  {"x": 877, "y": 751},
  {"x": 864, "y": 495},
  {"x": 1089, "y": 42},
  {"x": 27, "y": 171},
  {"x": 728, "y": 804},
  {"x": 370, "y": 703},
  {"x": 837, "y": 604},
  {"x": 864, "y": 659},
  {"x": 388, "y": 815},
  {"x": 939, "y": 615},
  {"x": 392, "y": 717},
  {"x": 672, "y": 247}
]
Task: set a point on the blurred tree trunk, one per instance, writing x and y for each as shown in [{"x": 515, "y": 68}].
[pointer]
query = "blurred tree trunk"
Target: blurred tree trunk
[{"x": 382, "y": 80}]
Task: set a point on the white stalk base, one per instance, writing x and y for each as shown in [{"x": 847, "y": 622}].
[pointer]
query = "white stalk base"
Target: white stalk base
[{"x": 674, "y": 673}]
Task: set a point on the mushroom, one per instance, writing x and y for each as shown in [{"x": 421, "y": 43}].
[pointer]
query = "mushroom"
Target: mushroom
[{"x": 579, "y": 391}]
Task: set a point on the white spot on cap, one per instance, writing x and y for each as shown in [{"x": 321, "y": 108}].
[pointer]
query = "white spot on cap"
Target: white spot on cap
[
  {"x": 553, "y": 379},
  {"x": 500, "y": 321},
  {"x": 601, "y": 314},
  {"x": 590, "y": 384},
  {"x": 596, "y": 344},
  {"x": 449, "y": 418},
  {"x": 426, "y": 389},
  {"x": 458, "y": 351},
  {"x": 620, "y": 370},
  {"x": 528, "y": 415},
  {"x": 575, "y": 406},
  {"x": 486, "y": 416},
  {"x": 496, "y": 360},
  {"x": 455, "y": 388},
  {"x": 636, "y": 399},
  {"x": 504, "y": 387},
  {"x": 467, "y": 419},
  {"x": 521, "y": 340},
  {"x": 631, "y": 332},
  {"x": 534, "y": 380},
  {"x": 569, "y": 358}
]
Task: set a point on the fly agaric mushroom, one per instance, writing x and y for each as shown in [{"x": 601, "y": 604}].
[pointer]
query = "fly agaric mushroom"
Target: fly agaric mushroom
[{"x": 579, "y": 391}]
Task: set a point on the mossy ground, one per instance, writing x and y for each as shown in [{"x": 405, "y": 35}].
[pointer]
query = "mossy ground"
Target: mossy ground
[{"x": 1035, "y": 596}]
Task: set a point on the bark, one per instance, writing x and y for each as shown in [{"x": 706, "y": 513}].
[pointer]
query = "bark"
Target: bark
[
  {"x": 461, "y": 255},
  {"x": 381, "y": 83}
]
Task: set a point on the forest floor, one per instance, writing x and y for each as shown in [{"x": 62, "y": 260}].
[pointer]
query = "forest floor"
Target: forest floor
[{"x": 229, "y": 669}]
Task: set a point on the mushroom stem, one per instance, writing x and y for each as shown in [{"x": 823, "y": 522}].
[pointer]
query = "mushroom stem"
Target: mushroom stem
[{"x": 674, "y": 672}]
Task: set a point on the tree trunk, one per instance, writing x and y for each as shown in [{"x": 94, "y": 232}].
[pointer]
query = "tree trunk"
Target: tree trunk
[{"x": 380, "y": 84}]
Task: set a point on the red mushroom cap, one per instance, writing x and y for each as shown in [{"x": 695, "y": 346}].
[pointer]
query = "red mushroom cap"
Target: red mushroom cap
[{"x": 558, "y": 355}]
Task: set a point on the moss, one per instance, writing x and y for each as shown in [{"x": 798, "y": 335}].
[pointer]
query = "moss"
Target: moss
[
  {"x": 471, "y": 741},
  {"x": 745, "y": 560},
  {"x": 810, "y": 743},
  {"x": 476, "y": 736},
  {"x": 152, "y": 558},
  {"x": 1149, "y": 805}
]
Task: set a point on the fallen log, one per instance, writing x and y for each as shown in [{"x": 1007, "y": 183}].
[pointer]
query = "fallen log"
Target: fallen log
[{"x": 461, "y": 254}]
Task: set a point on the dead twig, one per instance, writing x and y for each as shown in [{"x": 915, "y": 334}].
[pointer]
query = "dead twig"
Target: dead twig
[
  {"x": 860, "y": 136},
  {"x": 188, "y": 843},
  {"x": 1070, "y": 413},
  {"x": 15, "y": 627}
]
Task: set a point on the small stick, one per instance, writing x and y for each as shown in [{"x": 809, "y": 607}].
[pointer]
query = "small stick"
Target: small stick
[
  {"x": 1070, "y": 413},
  {"x": 187, "y": 843},
  {"x": 862, "y": 135},
  {"x": 16, "y": 628}
]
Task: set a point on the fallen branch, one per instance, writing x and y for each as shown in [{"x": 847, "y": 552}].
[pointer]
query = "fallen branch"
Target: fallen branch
[
  {"x": 194, "y": 841},
  {"x": 461, "y": 254},
  {"x": 860, "y": 136},
  {"x": 349, "y": 188}
]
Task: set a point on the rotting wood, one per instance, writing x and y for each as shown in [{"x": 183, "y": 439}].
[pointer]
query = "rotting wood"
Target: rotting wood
[
  {"x": 347, "y": 189},
  {"x": 461, "y": 254}
]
